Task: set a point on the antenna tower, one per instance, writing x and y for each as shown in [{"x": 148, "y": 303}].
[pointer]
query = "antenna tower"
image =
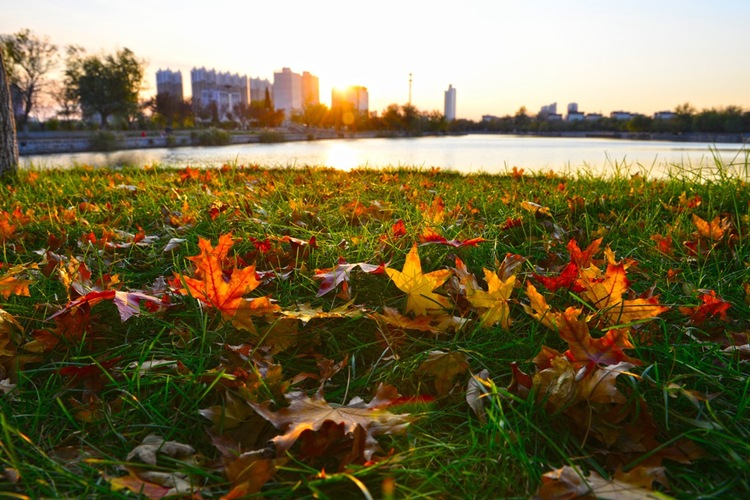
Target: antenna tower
[{"x": 409, "y": 89}]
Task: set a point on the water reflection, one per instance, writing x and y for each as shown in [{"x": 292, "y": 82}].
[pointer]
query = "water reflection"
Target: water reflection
[{"x": 472, "y": 153}]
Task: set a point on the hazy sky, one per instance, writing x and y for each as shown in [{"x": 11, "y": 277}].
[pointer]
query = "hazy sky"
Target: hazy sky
[{"x": 639, "y": 55}]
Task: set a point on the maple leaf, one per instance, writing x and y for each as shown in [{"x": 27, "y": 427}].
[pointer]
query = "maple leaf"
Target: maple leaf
[
  {"x": 536, "y": 208},
  {"x": 359, "y": 422},
  {"x": 248, "y": 473},
  {"x": 391, "y": 318},
  {"x": 713, "y": 230},
  {"x": 340, "y": 273},
  {"x": 128, "y": 303},
  {"x": 582, "y": 347},
  {"x": 305, "y": 313},
  {"x": 11, "y": 285},
  {"x": 152, "y": 484},
  {"x": 445, "y": 366},
  {"x": 429, "y": 235},
  {"x": 419, "y": 287},
  {"x": 583, "y": 258},
  {"x": 566, "y": 279},
  {"x": 211, "y": 287},
  {"x": 605, "y": 294},
  {"x": 711, "y": 306},
  {"x": 493, "y": 303},
  {"x": 571, "y": 482}
]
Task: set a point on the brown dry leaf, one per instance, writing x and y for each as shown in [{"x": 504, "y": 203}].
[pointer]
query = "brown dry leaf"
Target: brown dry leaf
[
  {"x": 153, "y": 444},
  {"x": 445, "y": 366},
  {"x": 305, "y": 313},
  {"x": 151, "y": 484},
  {"x": 360, "y": 423},
  {"x": 249, "y": 472},
  {"x": 475, "y": 390},
  {"x": 570, "y": 482}
]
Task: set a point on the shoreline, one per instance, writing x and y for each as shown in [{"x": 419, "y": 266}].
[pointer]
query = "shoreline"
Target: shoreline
[{"x": 42, "y": 143}]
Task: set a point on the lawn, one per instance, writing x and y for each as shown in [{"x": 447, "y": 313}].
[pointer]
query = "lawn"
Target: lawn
[{"x": 397, "y": 333}]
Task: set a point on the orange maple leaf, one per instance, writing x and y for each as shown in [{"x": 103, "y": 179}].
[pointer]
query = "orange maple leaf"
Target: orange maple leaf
[
  {"x": 419, "y": 287},
  {"x": 605, "y": 294},
  {"x": 713, "y": 230},
  {"x": 582, "y": 347},
  {"x": 224, "y": 294},
  {"x": 11, "y": 285}
]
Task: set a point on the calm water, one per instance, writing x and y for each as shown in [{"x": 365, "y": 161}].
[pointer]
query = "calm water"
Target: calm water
[{"x": 471, "y": 153}]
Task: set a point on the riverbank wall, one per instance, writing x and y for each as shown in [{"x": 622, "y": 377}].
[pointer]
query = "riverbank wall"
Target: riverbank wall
[{"x": 39, "y": 143}]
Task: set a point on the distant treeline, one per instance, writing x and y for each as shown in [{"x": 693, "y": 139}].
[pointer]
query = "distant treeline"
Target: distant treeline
[{"x": 685, "y": 119}]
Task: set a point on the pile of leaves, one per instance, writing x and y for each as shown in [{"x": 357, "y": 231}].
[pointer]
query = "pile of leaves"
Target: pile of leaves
[{"x": 205, "y": 333}]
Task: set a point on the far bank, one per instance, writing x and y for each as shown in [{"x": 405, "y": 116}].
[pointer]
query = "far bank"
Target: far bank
[{"x": 42, "y": 143}]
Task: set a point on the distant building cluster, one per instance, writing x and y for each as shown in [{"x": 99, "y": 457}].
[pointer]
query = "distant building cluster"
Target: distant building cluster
[
  {"x": 549, "y": 112},
  {"x": 217, "y": 95}
]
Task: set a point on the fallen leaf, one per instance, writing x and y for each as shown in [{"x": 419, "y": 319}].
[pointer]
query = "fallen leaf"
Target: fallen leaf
[
  {"x": 419, "y": 287},
  {"x": 444, "y": 366},
  {"x": 570, "y": 482},
  {"x": 153, "y": 444},
  {"x": 361, "y": 424},
  {"x": 493, "y": 303}
]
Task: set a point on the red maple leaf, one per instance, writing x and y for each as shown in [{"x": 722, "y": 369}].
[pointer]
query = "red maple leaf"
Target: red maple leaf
[{"x": 712, "y": 306}]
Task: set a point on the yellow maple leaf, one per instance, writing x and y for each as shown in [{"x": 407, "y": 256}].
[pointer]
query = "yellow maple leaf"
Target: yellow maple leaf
[
  {"x": 493, "y": 303},
  {"x": 419, "y": 287}
]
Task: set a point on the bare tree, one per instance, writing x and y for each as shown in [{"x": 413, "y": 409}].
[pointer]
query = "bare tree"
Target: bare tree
[
  {"x": 28, "y": 58},
  {"x": 8, "y": 145}
]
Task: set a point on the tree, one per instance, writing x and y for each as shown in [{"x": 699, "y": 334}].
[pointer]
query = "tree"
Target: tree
[
  {"x": 8, "y": 145},
  {"x": 106, "y": 84},
  {"x": 28, "y": 60},
  {"x": 684, "y": 119}
]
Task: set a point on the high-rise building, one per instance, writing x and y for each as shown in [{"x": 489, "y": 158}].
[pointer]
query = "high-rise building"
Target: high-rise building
[
  {"x": 310, "y": 89},
  {"x": 218, "y": 94},
  {"x": 169, "y": 82},
  {"x": 287, "y": 91},
  {"x": 258, "y": 89},
  {"x": 450, "y": 104}
]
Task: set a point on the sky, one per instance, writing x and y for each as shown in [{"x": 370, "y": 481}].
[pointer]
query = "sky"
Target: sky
[{"x": 639, "y": 56}]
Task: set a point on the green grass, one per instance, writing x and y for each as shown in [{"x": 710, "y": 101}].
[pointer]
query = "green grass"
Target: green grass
[{"x": 67, "y": 437}]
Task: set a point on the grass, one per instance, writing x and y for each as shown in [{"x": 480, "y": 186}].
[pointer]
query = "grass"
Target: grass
[{"x": 68, "y": 436}]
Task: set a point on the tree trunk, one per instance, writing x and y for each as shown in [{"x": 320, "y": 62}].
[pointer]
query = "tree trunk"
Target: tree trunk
[{"x": 8, "y": 145}]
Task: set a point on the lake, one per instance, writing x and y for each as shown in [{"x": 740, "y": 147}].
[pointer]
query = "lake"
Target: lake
[{"x": 469, "y": 153}]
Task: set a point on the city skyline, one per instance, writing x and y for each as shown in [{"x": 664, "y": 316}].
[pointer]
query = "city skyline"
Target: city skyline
[{"x": 500, "y": 55}]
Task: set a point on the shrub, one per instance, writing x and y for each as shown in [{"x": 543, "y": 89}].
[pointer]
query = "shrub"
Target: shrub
[
  {"x": 211, "y": 137},
  {"x": 270, "y": 136},
  {"x": 104, "y": 140}
]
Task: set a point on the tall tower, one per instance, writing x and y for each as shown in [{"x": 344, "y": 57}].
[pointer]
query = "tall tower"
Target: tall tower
[
  {"x": 410, "y": 89},
  {"x": 450, "y": 104}
]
